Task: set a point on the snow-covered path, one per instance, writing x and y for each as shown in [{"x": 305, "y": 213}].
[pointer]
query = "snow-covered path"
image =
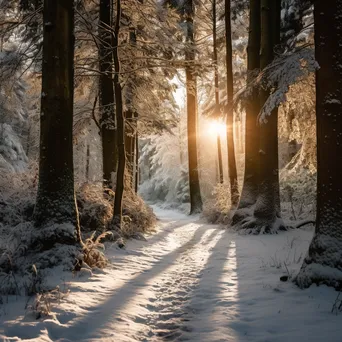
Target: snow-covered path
[{"x": 190, "y": 281}]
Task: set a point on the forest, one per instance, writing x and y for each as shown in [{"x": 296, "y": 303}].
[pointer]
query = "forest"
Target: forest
[{"x": 170, "y": 170}]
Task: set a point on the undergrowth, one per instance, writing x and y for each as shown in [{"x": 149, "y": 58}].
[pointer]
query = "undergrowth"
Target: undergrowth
[
  {"x": 17, "y": 231},
  {"x": 297, "y": 192},
  {"x": 218, "y": 209}
]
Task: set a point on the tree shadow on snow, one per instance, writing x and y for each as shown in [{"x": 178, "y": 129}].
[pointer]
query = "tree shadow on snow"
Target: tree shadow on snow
[{"x": 108, "y": 312}]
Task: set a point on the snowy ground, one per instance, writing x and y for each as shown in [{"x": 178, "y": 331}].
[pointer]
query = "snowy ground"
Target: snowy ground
[{"x": 189, "y": 282}]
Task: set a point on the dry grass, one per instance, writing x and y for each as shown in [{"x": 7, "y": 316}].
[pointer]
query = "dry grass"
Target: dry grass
[
  {"x": 93, "y": 251},
  {"x": 41, "y": 304}
]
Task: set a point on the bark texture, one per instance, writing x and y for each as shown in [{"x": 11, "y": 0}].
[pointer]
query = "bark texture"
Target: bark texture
[
  {"x": 191, "y": 98},
  {"x": 250, "y": 182},
  {"x": 130, "y": 118},
  {"x": 267, "y": 208},
  {"x": 266, "y": 215},
  {"x": 120, "y": 179},
  {"x": 56, "y": 198},
  {"x": 106, "y": 94},
  {"x": 324, "y": 261},
  {"x": 232, "y": 172},
  {"x": 217, "y": 95}
]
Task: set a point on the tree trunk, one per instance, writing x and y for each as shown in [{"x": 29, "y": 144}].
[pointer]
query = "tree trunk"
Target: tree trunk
[
  {"x": 250, "y": 183},
  {"x": 324, "y": 261},
  {"x": 130, "y": 117},
  {"x": 267, "y": 208},
  {"x": 120, "y": 179},
  {"x": 232, "y": 172},
  {"x": 219, "y": 158},
  {"x": 217, "y": 95},
  {"x": 129, "y": 140},
  {"x": 106, "y": 94},
  {"x": 136, "y": 162},
  {"x": 191, "y": 97},
  {"x": 56, "y": 197},
  {"x": 87, "y": 177}
]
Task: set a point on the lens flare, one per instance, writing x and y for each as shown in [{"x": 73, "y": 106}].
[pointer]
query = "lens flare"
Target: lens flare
[{"x": 217, "y": 128}]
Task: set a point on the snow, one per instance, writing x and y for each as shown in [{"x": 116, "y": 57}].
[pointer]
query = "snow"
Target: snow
[{"x": 189, "y": 281}]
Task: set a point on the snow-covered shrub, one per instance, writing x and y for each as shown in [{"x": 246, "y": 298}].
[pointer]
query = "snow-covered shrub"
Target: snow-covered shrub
[
  {"x": 17, "y": 196},
  {"x": 298, "y": 194},
  {"x": 138, "y": 216},
  {"x": 20, "y": 248},
  {"x": 217, "y": 209},
  {"x": 95, "y": 210}
]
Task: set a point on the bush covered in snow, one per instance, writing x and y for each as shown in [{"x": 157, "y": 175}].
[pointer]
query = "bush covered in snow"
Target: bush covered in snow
[
  {"x": 20, "y": 249},
  {"x": 96, "y": 211},
  {"x": 298, "y": 194},
  {"x": 218, "y": 208}
]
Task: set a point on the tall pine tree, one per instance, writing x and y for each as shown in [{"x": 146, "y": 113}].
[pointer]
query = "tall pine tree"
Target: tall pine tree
[
  {"x": 323, "y": 263},
  {"x": 56, "y": 198}
]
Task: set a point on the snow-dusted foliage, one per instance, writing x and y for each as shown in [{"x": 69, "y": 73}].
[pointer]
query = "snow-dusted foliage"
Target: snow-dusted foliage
[
  {"x": 296, "y": 20},
  {"x": 298, "y": 194},
  {"x": 20, "y": 247},
  {"x": 96, "y": 211},
  {"x": 297, "y": 129},
  {"x": 166, "y": 160},
  {"x": 13, "y": 114},
  {"x": 284, "y": 71}
]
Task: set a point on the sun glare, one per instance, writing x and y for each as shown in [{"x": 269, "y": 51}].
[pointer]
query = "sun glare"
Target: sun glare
[{"x": 217, "y": 128}]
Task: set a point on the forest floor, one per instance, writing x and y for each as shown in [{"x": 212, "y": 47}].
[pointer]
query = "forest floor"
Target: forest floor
[{"x": 189, "y": 281}]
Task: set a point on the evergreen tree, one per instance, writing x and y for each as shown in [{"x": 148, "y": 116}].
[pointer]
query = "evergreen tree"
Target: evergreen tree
[
  {"x": 56, "y": 197},
  {"x": 217, "y": 94},
  {"x": 250, "y": 183},
  {"x": 191, "y": 98},
  {"x": 120, "y": 177},
  {"x": 234, "y": 191},
  {"x": 267, "y": 208},
  {"x": 106, "y": 93},
  {"x": 323, "y": 262}
]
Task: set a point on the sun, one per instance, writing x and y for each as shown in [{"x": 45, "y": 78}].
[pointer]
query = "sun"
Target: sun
[{"x": 217, "y": 128}]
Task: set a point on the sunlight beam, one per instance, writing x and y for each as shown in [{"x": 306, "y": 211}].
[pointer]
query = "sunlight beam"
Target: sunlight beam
[{"x": 217, "y": 128}]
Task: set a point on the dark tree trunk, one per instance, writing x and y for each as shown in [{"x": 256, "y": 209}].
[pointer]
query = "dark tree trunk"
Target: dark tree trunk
[
  {"x": 87, "y": 163},
  {"x": 324, "y": 261},
  {"x": 234, "y": 190},
  {"x": 267, "y": 209},
  {"x": 130, "y": 117},
  {"x": 106, "y": 94},
  {"x": 56, "y": 197},
  {"x": 129, "y": 141},
  {"x": 250, "y": 183},
  {"x": 136, "y": 162},
  {"x": 191, "y": 98},
  {"x": 217, "y": 95},
  {"x": 220, "y": 164},
  {"x": 120, "y": 179}
]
